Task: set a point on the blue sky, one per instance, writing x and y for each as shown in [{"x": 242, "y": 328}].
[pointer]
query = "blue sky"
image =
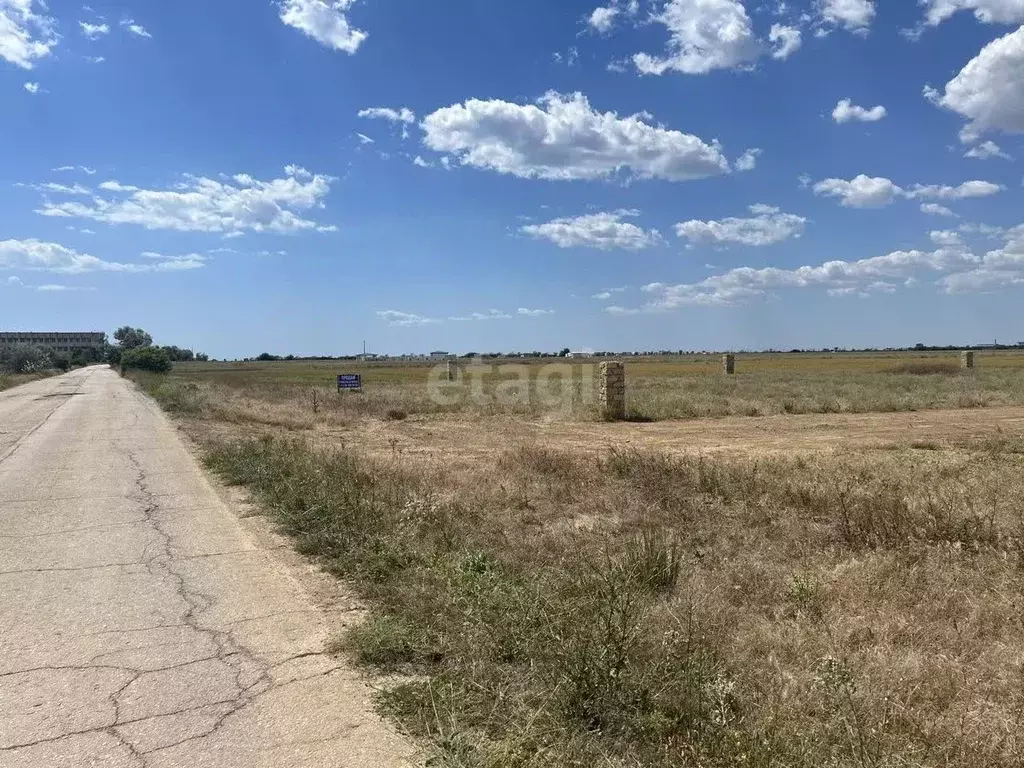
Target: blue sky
[{"x": 301, "y": 176}]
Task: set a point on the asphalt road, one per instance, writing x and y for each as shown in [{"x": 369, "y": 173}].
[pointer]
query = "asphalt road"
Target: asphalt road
[{"x": 140, "y": 623}]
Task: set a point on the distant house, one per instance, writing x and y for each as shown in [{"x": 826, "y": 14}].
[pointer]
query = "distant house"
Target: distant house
[{"x": 441, "y": 356}]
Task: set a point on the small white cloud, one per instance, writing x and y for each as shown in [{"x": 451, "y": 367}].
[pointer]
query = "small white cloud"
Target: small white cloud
[
  {"x": 768, "y": 226},
  {"x": 787, "y": 41},
  {"x": 859, "y": 192},
  {"x": 853, "y": 15},
  {"x": 934, "y": 209},
  {"x": 95, "y": 59},
  {"x": 846, "y": 111},
  {"x": 748, "y": 160},
  {"x": 604, "y": 231},
  {"x": 985, "y": 11},
  {"x": 535, "y": 312},
  {"x": 324, "y": 22},
  {"x": 27, "y": 34},
  {"x": 63, "y": 288},
  {"x": 364, "y": 139},
  {"x": 94, "y": 31},
  {"x": 946, "y": 238},
  {"x": 986, "y": 150},
  {"x": 602, "y": 19},
  {"x": 403, "y": 115},
  {"x": 136, "y": 29},
  {"x": 12, "y": 281},
  {"x": 404, "y": 319},
  {"x": 32, "y": 88}
]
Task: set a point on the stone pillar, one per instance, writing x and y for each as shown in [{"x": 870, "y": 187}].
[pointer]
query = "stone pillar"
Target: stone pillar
[
  {"x": 729, "y": 364},
  {"x": 453, "y": 371},
  {"x": 967, "y": 360},
  {"x": 613, "y": 391}
]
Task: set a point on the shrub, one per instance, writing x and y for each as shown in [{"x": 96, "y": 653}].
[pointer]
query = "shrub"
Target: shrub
[
  {"x": 152, "y": 359},
  {"x": 24, "y": 358}
]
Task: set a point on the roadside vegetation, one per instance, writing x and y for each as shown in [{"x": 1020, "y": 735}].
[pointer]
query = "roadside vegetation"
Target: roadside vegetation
[{"x": 549, "y": 607}]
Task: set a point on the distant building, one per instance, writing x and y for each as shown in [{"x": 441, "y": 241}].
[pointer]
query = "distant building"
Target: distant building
[
  {"x": 441, "y": 356},
  {"x": 54, "y": 340}
]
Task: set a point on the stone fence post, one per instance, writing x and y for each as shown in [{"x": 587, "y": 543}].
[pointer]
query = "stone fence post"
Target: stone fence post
[
  {"x": 967, "y": 360},
  {"x": 613, "y": 391},
  {"x": 729, "y": 364}
]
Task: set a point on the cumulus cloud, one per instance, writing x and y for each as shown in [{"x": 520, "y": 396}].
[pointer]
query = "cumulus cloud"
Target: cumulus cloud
[
  {"x": 846, "y": 111},
  {"x": 404, "y": 319},
  {"x": 324, "y": 22},
  {"x": 27, "y": 33},
  {"x": 32, "y": 88},
  {"x": 986, "y": 150},
  {"x": 602, "y": 19},
  {"x": 767, "y": 227},
  {"x": 859, "y": 192},
  {"x": 876, "y": 192},
  {"x": 93, "y": 31},
  {"x": 563, "y": 138},
  {"x": 230, "y": 206},
  {"x": 786, "y": 40},
  {"x": 854, "y": 15},
  {"x": 605, "y": 231},
  {"x": 986, "y": 11},
  {"x": 704, "y": 35},
  {"x": 52, "y": 257},
  {"x": 748, "y": 160},
  {"x": 989, "y": 90},
  {"x": 535, "y": 312},
  {"x": 946, "y": 238},
  {"x": 934, "y": 209}
]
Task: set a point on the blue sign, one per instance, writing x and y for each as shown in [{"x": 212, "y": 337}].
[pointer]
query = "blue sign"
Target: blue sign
[{"x": 350, "y": 381}]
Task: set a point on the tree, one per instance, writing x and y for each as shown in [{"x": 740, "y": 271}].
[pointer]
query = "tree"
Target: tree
[
  {"x": 565, "y": 352},
  {"x": 132, "y": 338},
  {"x": 24, "y": 358},
  {"x": 153, "y": 359}
]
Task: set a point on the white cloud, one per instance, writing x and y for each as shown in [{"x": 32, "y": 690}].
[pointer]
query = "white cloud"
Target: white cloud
[
  {"x": 968, "y": 189},
  {"x": 205, "y": 205},
  {"x": 52, "y": 257},
  {"x": 324, "y": 22},
  {"x": 564, "y": 138},
  {"x": 364, "y": 139},
  {"x": 12, "y": 280},
  {"x": 860, "y": 192},
  {"x": 491, "y": 314},
  {"x": 421, "y": 162},
  {"x": 62, "y": 189},
  {"x": 854, "y": 15},
  {"x": 51, "y": 288},
  {"x": 767, "y": 227},
  {"x": 986, "y": 150},
  {"x": 787, "y": 41},
  {"x": 989, "y": 90},
  {"x": 32, "y": 88},
  {"x": 136, "y": 29},
  {"x": 748, "y": 160},
  {"x": 404, "y": 319},
  {"x": 934, "y": 209},
  {"x": 867, "y": 192},
  {"x": 605, "y": 295},
  {"x": 603, "y": 19},
  {"x": 535, "y": 312},
  {"x": 94, "y": 31},
  {"x": 402, "y": 115},
  {"x": 705, "y": 35},
  {"x": 986, "y": 11},
  {"x": 95, "y": 59},
  {"x": 846, "y": 111},
  {"x": 27, "y": 34},
  {"x": 84, "y": 169},
  {"x": 597, "y": 230},
  {"x": 946, "y": 238}
]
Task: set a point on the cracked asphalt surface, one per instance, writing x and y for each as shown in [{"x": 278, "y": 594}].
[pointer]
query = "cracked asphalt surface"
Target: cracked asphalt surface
[{"x": 141, "y": 626}]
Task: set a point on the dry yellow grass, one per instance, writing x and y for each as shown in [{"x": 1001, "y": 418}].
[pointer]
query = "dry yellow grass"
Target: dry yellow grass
[{"x": 561, "y": 599}]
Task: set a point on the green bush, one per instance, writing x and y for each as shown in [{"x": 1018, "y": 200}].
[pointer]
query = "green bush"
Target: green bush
[
  {"x": 152, "y": 359},
  {"x": 24, "y": 358}
]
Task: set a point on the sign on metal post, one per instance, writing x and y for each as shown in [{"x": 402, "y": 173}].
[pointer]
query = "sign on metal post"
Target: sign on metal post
[{"x": 350, "y": 381}]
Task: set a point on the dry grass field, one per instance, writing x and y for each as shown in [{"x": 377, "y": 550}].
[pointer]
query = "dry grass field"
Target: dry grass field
[{"x": 836, "y": 581}]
